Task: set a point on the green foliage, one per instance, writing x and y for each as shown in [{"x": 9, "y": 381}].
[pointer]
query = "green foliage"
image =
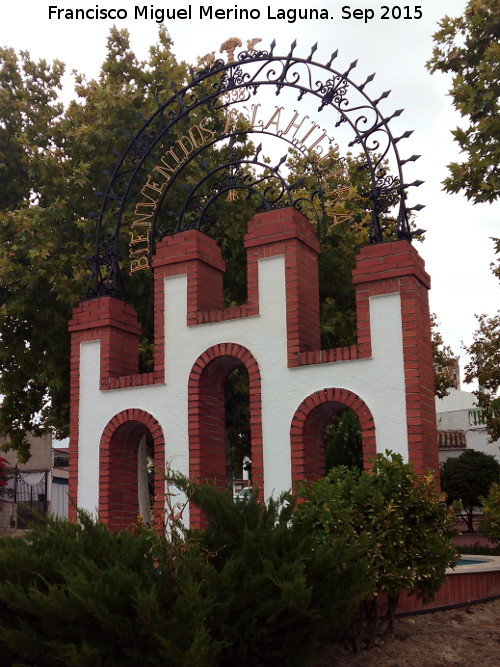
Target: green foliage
[
  {"x": 467, "y": 478},
  {"x": 348, "y": 217},
  {"x": 53, "y": 162},
  {"x": 484, "y": 364},
  {"x": 343, "y": 446},
  {"x": 77, "y": 594},
  {"x": 32, "y": 174},
  {"x": 278, "y": 590},
  {"x": 490, "y": 522},
  {"x": 251, "y": 587},
  {"x": 403, "y": 522},
  {"x": 468, "y": 47},
  {"x": 443, "y": 358},
  {"x": 479, "y": 549},
  {"x": 400, "y": 514}
]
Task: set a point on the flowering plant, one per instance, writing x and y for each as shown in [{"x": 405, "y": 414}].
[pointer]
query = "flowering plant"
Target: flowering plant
[{"x": 4, "y": 475}]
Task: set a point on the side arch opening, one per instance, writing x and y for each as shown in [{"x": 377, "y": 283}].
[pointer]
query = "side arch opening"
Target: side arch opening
[
  {"x": 131, "y": 481},
  {"x": 312, "y": 419}
]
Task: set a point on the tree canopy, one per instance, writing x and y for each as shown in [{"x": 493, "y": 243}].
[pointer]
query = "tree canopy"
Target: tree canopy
[
  {"x": 484, "y": 364},
  {"x": 467, "y": 47},
  {"x": 468, "y": 478},
  {"x": 54, "y": 162}
]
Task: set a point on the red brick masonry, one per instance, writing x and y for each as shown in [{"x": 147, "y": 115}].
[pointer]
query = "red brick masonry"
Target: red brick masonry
[{"x": 386, "y": 268}]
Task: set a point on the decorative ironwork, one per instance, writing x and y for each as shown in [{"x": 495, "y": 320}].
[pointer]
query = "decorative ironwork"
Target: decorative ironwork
[
  {"x": 157, "y": 157},
  {"x": 269, "y": 189}
]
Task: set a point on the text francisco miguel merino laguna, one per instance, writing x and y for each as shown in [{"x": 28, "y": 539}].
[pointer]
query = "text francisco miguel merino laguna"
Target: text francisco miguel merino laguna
[{"x": 160, "y": 14}]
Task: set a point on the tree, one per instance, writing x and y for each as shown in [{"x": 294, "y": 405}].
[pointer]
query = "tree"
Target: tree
[
  {"x": 32, "y": 177},
  {"x": 468, "y": 478},
  {"x": 467, "y": 46},
  {"x": 484, "y": 365},
  {"x": 490, "y": 522},
  {"x": 56, "y": 161},
  {"x": 443, "y": 357}
]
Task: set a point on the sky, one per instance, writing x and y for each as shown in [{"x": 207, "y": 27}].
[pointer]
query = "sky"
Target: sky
[{"x": 458, "y": 248}]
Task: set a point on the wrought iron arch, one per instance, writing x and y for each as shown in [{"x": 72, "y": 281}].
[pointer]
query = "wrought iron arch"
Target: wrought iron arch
[{"x": 238, "y": 80}]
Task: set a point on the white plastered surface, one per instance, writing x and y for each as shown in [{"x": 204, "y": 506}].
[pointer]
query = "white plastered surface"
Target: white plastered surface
[{"x": 379, "y": 381}]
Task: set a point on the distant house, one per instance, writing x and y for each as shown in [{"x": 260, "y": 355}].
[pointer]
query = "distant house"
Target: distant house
[
  {"x": 461, "y": 425},
  {"x": 29, "y": 485},
  {"x": 38, "y": 486},
  {"x": 59, "y": 488}
]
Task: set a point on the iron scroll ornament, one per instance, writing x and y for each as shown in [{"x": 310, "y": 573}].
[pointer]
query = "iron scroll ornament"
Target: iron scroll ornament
[{"x": 216, "y": 87}]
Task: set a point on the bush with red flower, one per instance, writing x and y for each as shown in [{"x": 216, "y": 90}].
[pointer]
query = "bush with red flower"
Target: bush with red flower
[{"x": 4, "y": 476}]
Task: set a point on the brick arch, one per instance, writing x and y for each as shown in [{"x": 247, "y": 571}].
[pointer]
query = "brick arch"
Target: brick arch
[
  {"x": 118, "y": 466},
  {"x": 207, "y": 414},
  {"x": 308, "y": 427}
]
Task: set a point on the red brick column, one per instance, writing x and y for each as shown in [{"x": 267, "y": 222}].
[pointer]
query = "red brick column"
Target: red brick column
[
  {"x": 114, "y": 323},
  {"x": 287, "y": 232},
  {"x": 397, "y": 267},
  {"x": 196, "y": 255}
]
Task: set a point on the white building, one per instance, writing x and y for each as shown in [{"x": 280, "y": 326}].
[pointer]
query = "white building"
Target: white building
[{"x": 461, "y": 425}]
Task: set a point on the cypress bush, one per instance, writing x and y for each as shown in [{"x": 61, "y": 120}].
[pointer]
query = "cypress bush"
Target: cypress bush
[
  {"x": 79, "y": 595},
  {"x": 278, "y": 590},
  {"x": 261, "y": 584},
  {"x": 253, "y": 587}
]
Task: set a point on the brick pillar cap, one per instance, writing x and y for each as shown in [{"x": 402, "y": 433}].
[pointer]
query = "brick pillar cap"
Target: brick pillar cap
[
  {"x": 186, "y": 246},
  {"x": 280, "y": 225},
  {"x": 103, "y": 312},
  {"x": 384, "y": 261}
]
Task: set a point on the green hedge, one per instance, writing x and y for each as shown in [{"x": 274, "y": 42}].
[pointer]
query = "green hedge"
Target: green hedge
[{"x": 262, "y": 584}]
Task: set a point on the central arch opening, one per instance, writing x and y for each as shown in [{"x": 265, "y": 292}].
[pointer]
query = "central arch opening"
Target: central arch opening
[
  {"x": 225, "y": 425},
  {"x": 238, "y": 448}
]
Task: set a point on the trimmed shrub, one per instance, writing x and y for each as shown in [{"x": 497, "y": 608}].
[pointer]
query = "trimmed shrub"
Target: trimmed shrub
[
  {"x": 79, "y": 595},
  {"x": 490, "y": 522},
  {"x": 405, "y": 526},
  {"x": 279, "y": 591},
  {"x": 468, "y": 478}
]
